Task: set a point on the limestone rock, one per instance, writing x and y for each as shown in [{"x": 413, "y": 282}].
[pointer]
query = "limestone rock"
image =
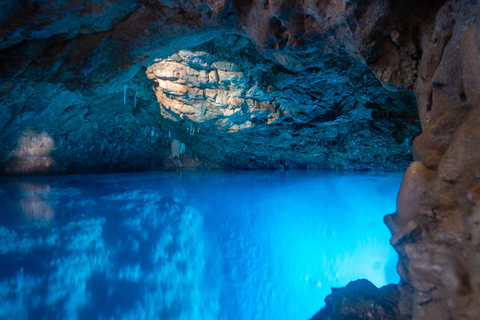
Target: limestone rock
[
  {"x": 228, "y": 86},
  {"x": 228, "y": 104},
  {"x": 437, "y": 256}
]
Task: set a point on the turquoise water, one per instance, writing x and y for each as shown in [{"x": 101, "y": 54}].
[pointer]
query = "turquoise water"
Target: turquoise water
[{"x": 242, "y": 245}]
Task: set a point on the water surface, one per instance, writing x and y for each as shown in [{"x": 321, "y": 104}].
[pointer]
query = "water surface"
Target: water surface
[{"x": 243, "y": 245}]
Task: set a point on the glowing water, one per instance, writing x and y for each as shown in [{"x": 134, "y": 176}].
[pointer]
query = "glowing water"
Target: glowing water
[{"x": 221, "y": 246}]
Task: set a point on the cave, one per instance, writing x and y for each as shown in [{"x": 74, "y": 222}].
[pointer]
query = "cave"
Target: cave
[{"x": 263, "y": 159}]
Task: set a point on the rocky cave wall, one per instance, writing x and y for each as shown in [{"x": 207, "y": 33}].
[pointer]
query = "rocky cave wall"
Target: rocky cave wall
[
  {"x": 258, "y": 114},
  {"x": 435, "y": 228},
  {"x": 88, "y": 100},
  {"x": 64, "y": 64}
]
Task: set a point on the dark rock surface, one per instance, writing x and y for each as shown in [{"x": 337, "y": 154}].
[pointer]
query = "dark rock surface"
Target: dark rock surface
[
  {"x": 253, "y": 113},
  {"x": 360, "y": 300},
  {"x": 63, "y": 76}
]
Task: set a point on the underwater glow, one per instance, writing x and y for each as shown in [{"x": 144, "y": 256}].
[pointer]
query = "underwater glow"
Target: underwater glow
[{"x": 255, "y": 245}]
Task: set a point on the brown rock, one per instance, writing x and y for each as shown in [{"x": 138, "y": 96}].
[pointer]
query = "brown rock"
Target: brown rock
[
  {"x": 360, "y": 299},
  {"x": 436, "y": 262}
]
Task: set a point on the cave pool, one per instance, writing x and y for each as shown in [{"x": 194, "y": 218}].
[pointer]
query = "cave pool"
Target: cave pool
[{"x": 225, "y": 245}]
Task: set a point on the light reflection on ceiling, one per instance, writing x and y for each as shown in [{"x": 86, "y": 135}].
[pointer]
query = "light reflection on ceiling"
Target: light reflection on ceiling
[{"x": 226, "y": 86}]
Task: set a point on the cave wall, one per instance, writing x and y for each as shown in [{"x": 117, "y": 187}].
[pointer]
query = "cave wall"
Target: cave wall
[
  {"x": 61, "y": 54},
  {"x": 435, "y": 227},
  {"x": 63, "y": 77},
  {"x": 63, "y": 65},
  {"x": 332, "y": 114}
]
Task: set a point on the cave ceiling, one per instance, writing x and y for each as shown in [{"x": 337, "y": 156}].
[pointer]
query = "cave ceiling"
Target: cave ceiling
[{"x": 241, "y": 85}]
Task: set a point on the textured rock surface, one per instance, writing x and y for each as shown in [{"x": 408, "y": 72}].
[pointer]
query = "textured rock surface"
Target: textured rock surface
[
  {"x": 435, "y": 227},
  {"x": 255, "y": 113},
  {"x": 360, "y": 300},
  {"x": 63, "y": 66},
  {"x": 230, "y": 104}
]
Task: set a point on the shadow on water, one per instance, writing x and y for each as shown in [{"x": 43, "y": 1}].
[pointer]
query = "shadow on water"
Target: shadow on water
[{"x": 243, "y": 245}]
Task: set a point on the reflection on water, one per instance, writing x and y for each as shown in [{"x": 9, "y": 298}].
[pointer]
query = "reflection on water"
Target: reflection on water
[
  {"x": 33, "y": 202},
  {"x": 167, "y": 246}
]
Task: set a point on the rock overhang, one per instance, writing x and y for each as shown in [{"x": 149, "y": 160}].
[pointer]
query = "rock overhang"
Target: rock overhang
[{"x": 252, "y": 87}]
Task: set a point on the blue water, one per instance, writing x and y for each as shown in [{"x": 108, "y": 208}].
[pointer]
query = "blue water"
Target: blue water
[{"x": 249, "y": 245}]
